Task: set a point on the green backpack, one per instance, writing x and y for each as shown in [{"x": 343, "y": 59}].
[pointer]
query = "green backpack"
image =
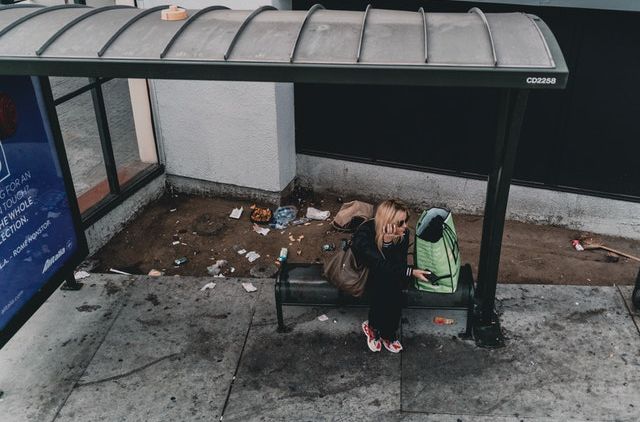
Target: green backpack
[{"x": 437, "y": 251}]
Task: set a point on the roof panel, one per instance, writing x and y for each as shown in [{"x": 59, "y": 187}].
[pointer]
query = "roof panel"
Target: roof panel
[
  {"x": 458, "y": 39},
  {"x": 518, "y": 41},
  {"x": 75, "y": 43},
  {"x": 209, "y": 36},
  {"x": 144, "y": 39},
  {"x": 388, "y": 29},
  {"x": 373, "y": 47},
  {"x": 26, "y": 38},
  {"x": 270, "y": 35},
  {"x": 10, "y": 14},
  {"x": 330, "y": 37}
]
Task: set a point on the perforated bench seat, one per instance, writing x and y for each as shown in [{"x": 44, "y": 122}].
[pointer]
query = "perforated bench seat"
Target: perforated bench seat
[{"x": 303, "y": 285}]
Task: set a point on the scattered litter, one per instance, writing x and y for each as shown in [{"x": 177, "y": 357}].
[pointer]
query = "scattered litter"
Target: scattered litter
[
  {"x": 300, "y": 237},
  {"x": 328, "y": 247},
  {"x": 438, "y": 320},
  {"x": 249, "y": 287},
  {"x": 261, "y": 230},
  {"x": 113, "y": 270},
  {"x": 307, "y": 224},
  {"x": 320, "y": 224},
  {"x": 173, "y": 210},
  {"x": 181, "y": 261},
  {"x": 219, "y": 276},
  {"x": 323, "y": 318},
  {"x": 335, "y": 321},
  {"x": 291, "y": 238},
  {"x": 577, "y": 245},
  {"x": 232, "y": 269},
  {"x": 242, "y": 251},
  {"x": 300, "y": 221},
  {"x": 216, "y": 268},
  {"x": 282, "y": 258},
  {"x": 208, "y": 286},
  {"x": 283, "y": 216},
  {"x": 261, "y": 215},
  {"x": 236, "y": 213},
  {"x": 183, "y": 244},
  {"x": 299, "y": 252},
  {"x": 252, "y": 256},
  {"x": 263, "y": 271},
  {"x": 81, "y": 274},
  {"x": 155, "y": 273},
  {"x": 291, "y": 244},
  {"x": 316, "y": 214},
  {"x": 176, "y": 242}
]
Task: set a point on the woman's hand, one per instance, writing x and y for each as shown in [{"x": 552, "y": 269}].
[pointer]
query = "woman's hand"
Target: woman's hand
[
  {"x": 420, "y": 274},
  {"x": 389, "y": 233}
]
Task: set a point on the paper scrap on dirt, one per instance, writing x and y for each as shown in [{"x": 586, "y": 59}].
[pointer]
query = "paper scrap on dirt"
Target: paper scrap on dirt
[
  {"x": 249, "y": 287},
  {"x": 252, "y": 256},
  {"x": 316, "y": 214},
  {"x": 323, "y": 318},
  {"x": 208, "y": 286},
  {"x": 261, "y": 230},
  {"x": 236, "y": 213}
]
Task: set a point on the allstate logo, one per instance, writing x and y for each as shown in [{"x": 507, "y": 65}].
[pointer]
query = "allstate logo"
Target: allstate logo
[{"x": 4, "y": 167}]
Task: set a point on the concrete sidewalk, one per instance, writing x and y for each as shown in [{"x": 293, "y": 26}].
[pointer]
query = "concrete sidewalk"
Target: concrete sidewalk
[{"x": 143, "y": 349}]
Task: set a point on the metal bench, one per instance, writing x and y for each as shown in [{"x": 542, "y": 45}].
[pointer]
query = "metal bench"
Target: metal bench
[{"x": 303, "y": 285}]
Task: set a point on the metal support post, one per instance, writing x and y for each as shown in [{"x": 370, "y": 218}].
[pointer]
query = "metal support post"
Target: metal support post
[
  {"x": 105, "y": 137},
  {"x": 486, "y": 326}
]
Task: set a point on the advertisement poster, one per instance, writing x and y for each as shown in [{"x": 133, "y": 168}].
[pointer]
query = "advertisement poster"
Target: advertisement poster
[{"x": 37, "y": 232}]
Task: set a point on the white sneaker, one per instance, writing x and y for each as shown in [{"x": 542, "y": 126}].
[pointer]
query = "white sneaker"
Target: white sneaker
[{"x": 374, "y": 343}]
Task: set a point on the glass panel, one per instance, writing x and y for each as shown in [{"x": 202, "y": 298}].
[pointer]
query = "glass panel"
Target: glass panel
[
  {"x": 63, "y": 86},
  {"x": 130, "y": 161},
  {"x": 84, "y": 152}
]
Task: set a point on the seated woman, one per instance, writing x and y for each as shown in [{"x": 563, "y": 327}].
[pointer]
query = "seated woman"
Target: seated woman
[{"x": 381, "y": 245}]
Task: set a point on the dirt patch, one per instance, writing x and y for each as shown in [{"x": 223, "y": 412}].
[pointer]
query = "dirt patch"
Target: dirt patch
[
  {"x": 200, "y": 230},
  {"x": 88, "y": 308}
]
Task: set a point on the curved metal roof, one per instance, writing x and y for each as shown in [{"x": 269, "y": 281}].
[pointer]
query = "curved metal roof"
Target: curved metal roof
[{"x": 373, "y": 47}]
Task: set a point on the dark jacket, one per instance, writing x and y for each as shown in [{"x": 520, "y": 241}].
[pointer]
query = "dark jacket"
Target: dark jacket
[{"x": 391, "y": 264}]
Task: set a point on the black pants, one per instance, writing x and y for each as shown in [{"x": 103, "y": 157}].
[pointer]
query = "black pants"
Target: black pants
[{"x": 385, "y": 297}]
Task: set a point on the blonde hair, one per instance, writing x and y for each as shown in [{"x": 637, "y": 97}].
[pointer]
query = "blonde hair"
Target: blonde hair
[{"x": 386, "y": 214}]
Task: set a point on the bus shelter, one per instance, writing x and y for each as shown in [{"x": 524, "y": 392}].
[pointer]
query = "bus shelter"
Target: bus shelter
[{"x": 511, "y": 52}]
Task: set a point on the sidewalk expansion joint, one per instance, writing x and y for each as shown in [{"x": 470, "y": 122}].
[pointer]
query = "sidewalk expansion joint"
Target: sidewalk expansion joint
[
  {"x": 244, "y": 344},
  {"x": 108, "y": 330}
]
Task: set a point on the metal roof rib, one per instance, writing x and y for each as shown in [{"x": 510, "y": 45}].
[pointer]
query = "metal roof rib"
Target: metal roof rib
[
  {"x": 19, "y": 6},
  {"x": 424, "y": 26},
  {"x": 244, "y": 24},
  {"x": 124, "y": 27},
  {"x": 77, "y": 20},
  {"x": 480, "y": 13},
  {"x": 304, "y": 22},
  {"x": 364, "y": 24},
  {"x": 39, "y": 12},
  {"x": 186, "y": 24}
]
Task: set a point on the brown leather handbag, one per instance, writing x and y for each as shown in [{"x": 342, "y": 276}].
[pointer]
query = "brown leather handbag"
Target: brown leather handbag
[{"x": 343, "y": 271}]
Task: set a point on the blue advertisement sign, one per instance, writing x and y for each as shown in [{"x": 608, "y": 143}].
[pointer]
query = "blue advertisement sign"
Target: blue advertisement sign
[{"x": 38, "y": 234}]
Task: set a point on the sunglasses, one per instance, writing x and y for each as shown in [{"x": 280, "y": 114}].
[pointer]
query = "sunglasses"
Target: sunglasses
[{"x": 401, "y": 223}]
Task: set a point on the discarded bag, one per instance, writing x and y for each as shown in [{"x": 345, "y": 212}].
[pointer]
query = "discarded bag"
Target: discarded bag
[
  {"x": 343, "y": 271},
  {"x": 351, "y": 215},
  {"x": 437, "y": 251}
]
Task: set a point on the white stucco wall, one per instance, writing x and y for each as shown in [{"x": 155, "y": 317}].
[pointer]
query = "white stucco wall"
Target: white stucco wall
[
  {"x": 580, "y": 212},
  {"x": 234, "y": 133}
]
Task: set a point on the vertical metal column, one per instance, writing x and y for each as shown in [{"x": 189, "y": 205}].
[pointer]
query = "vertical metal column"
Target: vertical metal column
[
  {"x": 105, "y": 137},
  {"x": 486, "y": 328}
]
